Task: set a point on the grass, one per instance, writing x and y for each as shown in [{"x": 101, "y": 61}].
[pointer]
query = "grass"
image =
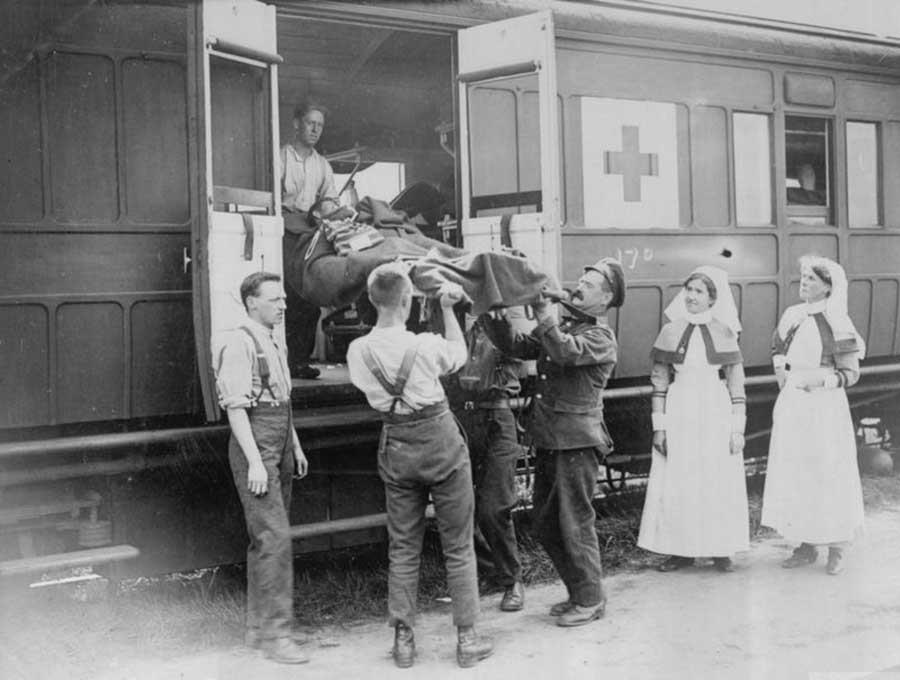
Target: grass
[{"x": 186, "y": 613}]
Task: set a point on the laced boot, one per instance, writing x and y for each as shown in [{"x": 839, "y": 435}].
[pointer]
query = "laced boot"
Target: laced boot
[
  {"x": 284, "y": 650},
  {"x": 804, "y": 554},
  {"x": 561, "y": 608},
  {"x": 404, "y": 651},
  {"x": 835, "y": 563},
  {"x": 579, "y": 616},
  {"x": 472, "y": 647},
  {"x": 513, "y": 598}
]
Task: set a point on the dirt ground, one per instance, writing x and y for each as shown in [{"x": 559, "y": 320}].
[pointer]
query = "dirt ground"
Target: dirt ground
[{"x": 760, "y": 622}]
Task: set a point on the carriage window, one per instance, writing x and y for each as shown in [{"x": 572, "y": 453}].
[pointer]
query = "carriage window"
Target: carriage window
[
  {"x": 752, "y": 169},
  {"x": 239, "y": 109},
  {"x": 808, "y": 157},
  {"x": 504, "y": 146},
  {"x": 862, "y": 174},
  {"x": 384, "y": 179}
]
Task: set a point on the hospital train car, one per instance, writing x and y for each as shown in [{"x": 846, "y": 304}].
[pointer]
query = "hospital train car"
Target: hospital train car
[{"x": 139, "y": 145}]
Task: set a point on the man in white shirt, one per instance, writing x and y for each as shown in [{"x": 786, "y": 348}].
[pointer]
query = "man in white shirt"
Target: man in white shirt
[
  {"x": 422, "y": 451},
  {"x": 254, "y": 389},
  {"x": 306, "y": 177}
]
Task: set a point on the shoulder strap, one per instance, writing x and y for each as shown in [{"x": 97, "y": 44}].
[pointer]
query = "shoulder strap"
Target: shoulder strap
[
  {"x": 394, "y": 389},
  {"x": 505, "y": 234},
  {"x": 262, "y": 362}
]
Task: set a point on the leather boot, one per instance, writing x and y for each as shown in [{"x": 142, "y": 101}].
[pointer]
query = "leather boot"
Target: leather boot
[
  {"x": 835, "y": 561},
  {"x": 404, "y": 651},
  {"x": 472, "y": 647},
  {"x": 513, "y": 599},
  {"x": 254, "y": 640},
  {"x": 283, "y": 650},
  {"x": 579, "y": 616},
  {"x": 561, "y": 608},
  {"x": 804, "y": 554}
]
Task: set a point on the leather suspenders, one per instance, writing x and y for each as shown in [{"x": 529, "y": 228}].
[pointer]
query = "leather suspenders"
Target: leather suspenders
[{"x": 394, "y": 389}]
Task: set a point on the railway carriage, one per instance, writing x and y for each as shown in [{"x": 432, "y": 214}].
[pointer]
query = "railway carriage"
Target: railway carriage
[{"x": 139, "y": 145}]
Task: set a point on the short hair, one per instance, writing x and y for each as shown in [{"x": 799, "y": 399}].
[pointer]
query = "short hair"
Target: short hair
[
  {"x": 316, "y": 207},
  {"x": 250, "y": 285},
  {"x": 819, "y": 267},
  {"x": 708, "y": 282},
  {"x": 387, "y": 285},
  {"x": 308, "y": 105}
]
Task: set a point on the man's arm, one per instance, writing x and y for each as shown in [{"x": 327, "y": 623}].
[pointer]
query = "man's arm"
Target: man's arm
[
  {"x": 299, "y": 456},
  {"x": 327, "y": 188},
  {"x": 450, "y": 294},
  {"x": 595, "y": 346},
  {"x": 257, "y": 477},
  {"x": 510, "y": 342}
]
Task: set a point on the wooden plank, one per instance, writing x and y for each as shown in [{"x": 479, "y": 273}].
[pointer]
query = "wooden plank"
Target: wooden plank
[{"x": 77, "y": 558}]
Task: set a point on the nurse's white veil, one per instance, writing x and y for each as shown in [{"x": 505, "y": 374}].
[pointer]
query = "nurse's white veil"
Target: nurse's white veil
[
  {"x": 836, "y": 302},
  {"x": 722, "y": 309}
]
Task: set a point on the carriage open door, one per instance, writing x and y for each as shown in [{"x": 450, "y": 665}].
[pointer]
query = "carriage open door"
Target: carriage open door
[
  {"x": 240, "y": 227},
  {"x": 509, "y": 138}
]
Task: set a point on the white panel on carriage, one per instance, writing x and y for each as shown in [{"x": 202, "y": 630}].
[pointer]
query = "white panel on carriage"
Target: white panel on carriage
[
  {"x": 247, "y": 23},
  {"x": 501, "y": 43},
  {"x": 228, "y": 248},
  {"x": 862, "y": 174},
  {"x": 508, "y": 91},
  {"x": 630, "y": 163},
  {"x": 752, "y": 169}
]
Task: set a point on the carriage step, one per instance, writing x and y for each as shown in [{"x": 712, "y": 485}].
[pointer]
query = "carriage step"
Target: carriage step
[{"x": 68, "y": 560}]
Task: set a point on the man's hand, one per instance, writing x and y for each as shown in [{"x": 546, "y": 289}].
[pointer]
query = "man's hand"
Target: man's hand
[
  {"x": 659, "y": 442},
  {"x": 257, "y": 479},
  {"x": 450, "y": 294},
  {"x": 300, "y": 459},
  {"x": 737, "y": 443},
  {"x": 541, "y": 308},
  {"x": 780, "y": 377}
]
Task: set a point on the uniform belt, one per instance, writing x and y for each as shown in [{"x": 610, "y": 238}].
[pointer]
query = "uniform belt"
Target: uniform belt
[
  {"x": 271, "y": 404},
  {"x": 503, "y": 402}
]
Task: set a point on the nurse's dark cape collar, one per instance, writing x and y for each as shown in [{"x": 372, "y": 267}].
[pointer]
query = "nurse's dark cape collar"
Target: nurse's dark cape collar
[{"x": 721, "y": 342}]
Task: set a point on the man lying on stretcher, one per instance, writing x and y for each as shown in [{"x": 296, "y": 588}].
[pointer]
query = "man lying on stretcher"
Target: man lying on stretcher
[{"x": 330, "y": 266}]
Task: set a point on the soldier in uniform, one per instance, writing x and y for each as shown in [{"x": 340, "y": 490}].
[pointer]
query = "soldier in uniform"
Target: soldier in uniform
[{"x": 575, "y": 359}]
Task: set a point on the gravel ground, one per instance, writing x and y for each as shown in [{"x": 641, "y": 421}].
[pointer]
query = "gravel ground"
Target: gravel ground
[{"x": 760, "y": 622}]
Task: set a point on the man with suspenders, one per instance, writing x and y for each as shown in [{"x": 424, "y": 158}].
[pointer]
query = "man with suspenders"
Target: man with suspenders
[
  {"x": 254, "y": 386},
  {"x": 422, "y": 451}
]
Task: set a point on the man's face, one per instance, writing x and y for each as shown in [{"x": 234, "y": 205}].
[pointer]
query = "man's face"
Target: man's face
[
  {"x": 310, "y": 127},
  {"x": 268, "y": 307},
  {"x": 591, "y": 295},
  {"x": 326, "y": 207}
]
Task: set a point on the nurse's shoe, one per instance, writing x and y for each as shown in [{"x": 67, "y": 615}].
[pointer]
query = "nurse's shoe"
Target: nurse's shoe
[
  {"x": 803, "y": 555},
  {"x": 835, "y": 563},
  {"x": 723, "y": 564},
  {"x": 674, "y": 563}
]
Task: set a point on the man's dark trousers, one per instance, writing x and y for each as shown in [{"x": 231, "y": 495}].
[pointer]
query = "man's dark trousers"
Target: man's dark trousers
[
  {"x": 270, "y": 570},
  {"x": 301, "y": 318},
  {"x": 423, "y": 453},
  {"x": 564, "y": 484},
  {"x": 494, "y": 449}
]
